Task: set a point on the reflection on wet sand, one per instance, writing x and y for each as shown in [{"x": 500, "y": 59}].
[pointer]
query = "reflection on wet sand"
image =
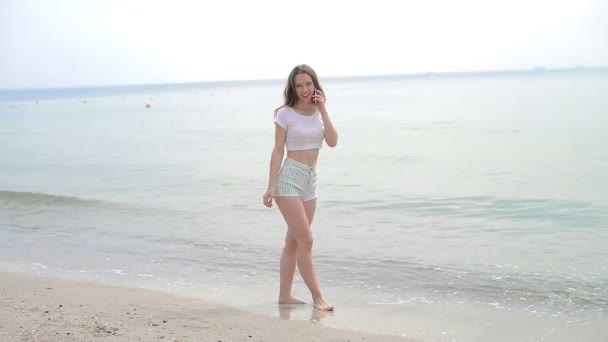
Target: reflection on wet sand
[{"x": 286, "y": 311}]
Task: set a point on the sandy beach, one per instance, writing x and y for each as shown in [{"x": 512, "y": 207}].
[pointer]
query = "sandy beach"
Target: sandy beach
[{"x": 46, "y": 309}]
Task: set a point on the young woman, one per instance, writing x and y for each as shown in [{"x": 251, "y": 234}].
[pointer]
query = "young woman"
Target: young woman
[{"x": 301, "y": 125}]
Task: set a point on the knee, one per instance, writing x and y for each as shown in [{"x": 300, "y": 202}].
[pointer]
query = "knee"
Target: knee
[
  {"x": 290, "y": 245},
  {"x": 305, "y": 243}
]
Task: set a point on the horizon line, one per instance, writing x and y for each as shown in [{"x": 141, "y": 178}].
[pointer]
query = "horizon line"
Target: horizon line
[{"x": 430, "y": 73}]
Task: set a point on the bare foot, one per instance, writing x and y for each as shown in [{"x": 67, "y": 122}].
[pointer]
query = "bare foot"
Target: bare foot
[
  {"x": 321, "y": 304},
  {"x": 290, "y": 300}
]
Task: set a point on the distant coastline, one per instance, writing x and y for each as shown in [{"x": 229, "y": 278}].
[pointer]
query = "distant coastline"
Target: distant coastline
[
  {"x": 538, "y": 70},
  {"x": 110, "y": 90}
]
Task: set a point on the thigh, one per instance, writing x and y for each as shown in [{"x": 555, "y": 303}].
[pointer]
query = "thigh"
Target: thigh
[
  {"x": 294, "y": 213},
  {"x": 309, "y": 208}
]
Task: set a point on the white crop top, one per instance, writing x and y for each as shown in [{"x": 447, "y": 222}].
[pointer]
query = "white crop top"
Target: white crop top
[{"x": 303, "y": 132}]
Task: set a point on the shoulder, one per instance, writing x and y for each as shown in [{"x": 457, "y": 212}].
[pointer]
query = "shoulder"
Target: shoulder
[
  {"x": 283, "y": 111},
  {"x": 283, "y": 116}
]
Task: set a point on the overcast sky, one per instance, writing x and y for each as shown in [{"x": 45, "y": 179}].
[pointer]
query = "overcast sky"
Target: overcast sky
[{"x": 57, "y": 43}]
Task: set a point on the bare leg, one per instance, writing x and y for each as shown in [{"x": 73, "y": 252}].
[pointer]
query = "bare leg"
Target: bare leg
[
  {"x": 288, "y": 268},
  {"x": 288, "y": 259},
  {"x": 298, "y": 225}
]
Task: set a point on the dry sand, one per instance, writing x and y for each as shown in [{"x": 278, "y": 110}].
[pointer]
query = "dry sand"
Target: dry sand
[{"x": 45, "y": 309}]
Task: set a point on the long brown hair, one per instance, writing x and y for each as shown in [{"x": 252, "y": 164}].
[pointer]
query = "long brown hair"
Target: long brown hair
[{"x": 289, "y": 94}]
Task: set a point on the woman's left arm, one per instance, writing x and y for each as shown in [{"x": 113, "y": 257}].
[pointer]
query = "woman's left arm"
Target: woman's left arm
[{"x": 331, "y": 135}]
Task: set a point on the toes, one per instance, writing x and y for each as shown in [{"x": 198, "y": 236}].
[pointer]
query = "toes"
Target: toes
[{"x": 324, "y": 307}]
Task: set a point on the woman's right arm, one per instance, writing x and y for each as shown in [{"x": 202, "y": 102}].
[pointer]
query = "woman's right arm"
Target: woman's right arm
[{"x": 276, "y": 159}]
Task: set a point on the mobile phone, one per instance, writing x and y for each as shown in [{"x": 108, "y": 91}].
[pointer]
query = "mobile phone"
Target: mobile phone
[{"x": 314, "y": 99}]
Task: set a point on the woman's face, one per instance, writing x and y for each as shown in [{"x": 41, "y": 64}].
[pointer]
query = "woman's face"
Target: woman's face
[{"x": 304, "y": 87}]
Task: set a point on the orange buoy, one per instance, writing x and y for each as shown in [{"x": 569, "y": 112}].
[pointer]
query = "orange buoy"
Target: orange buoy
[{"x": 147, "y": 105}]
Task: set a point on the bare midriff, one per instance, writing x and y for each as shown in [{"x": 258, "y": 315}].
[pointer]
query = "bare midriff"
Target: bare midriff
[{"x": 308, "y": 157}]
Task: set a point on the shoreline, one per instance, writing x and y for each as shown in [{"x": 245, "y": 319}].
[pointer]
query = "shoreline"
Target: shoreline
[{"x": 39, "y": 308}]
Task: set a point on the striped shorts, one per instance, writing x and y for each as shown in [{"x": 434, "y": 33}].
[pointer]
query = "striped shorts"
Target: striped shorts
[{"x": 297, "y": 179}]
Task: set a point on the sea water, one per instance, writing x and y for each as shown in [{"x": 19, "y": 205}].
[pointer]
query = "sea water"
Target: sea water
[{"x": 469, "y": 207}]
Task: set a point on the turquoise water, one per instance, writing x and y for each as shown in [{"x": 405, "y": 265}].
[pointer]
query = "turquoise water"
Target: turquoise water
[{"x": 452, "y": 209}]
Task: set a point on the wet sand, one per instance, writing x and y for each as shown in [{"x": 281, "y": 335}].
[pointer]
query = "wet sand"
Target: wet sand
[{"x": 47, "y": 309}]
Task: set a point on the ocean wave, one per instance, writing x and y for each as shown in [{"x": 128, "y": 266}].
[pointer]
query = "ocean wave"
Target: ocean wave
[
  {"x": 37, "y": 199},
  {"x": 485, "y": 207},
  {"x": 469, "y": 283}
]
